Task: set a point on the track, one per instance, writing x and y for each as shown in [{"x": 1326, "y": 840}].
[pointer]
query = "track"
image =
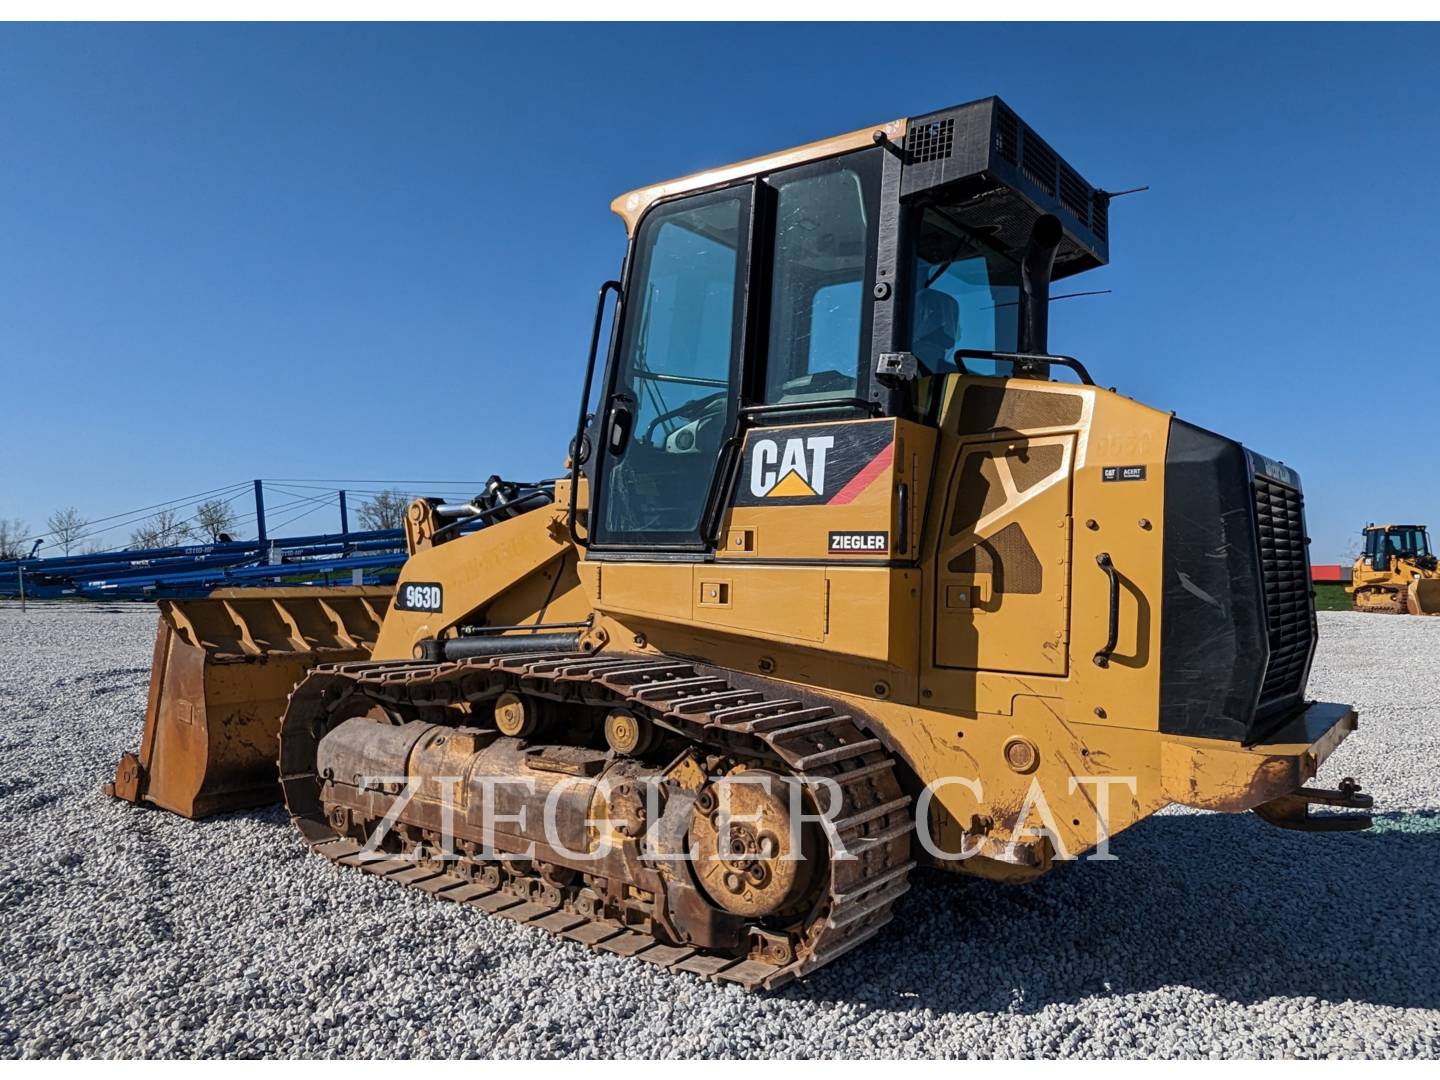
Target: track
[
  {"x": 812, "y": 742},
  {"x": 1379, "y": 600}
]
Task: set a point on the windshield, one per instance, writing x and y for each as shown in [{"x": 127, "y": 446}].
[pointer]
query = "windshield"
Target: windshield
[
  {"x": 965, "y": 296},
  {"x": 684, "y": 332}
]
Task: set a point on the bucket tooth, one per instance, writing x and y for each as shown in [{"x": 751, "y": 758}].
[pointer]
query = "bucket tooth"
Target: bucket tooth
[{"x": 129, "y": 779}]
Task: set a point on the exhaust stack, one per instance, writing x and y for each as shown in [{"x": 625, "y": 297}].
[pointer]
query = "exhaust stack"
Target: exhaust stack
[{"x": 1033, "y": 333}]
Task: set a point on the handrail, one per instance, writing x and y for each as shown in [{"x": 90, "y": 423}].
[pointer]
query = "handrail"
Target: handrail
[
  {"x": 1024, "y": 358},
  {"x": 575, "y": 454},
  {"x": 818, "y": 405}
]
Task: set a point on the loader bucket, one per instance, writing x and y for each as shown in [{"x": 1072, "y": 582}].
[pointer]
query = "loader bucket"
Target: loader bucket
[
  {"x": 1423, "y": 596},
  {"x": 222, "y": 673}
]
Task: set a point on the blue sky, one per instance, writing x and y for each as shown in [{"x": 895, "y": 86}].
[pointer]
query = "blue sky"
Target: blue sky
[{"x": 372, "y": 252}]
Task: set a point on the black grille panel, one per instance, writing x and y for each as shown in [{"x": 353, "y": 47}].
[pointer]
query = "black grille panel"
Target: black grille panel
[
  {"x": 1075, "y": 194},
  {"x": 1007, "y": 134},
  {"x": 931, "y": 141},
  {"x": 1037, "y": 161},
  {"x": 1289, "y": 609},
  {"x": 1100, "y": 217}
]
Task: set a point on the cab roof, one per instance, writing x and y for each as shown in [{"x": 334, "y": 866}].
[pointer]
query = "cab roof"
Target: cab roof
[
  {"x": 632, "y": 205},
  {"x": 989, "y": 169}
]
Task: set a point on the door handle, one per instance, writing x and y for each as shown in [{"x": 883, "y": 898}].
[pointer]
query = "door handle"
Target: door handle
[
  {"x": 1103, "y": 560},
  {"x": 622, "y": 420}
]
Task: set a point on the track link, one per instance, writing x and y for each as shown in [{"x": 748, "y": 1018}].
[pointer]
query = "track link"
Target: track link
[{"x": 815, "y": 743}]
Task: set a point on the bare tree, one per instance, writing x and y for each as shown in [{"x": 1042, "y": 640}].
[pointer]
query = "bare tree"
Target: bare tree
[
  {"x": 163, "y": 530},
  {"x": 385, "y": 510},
  {"x": 1354, "y": 549},
  {"x": 13, "y": 538},
  {"x": 65, "y": 528},
  {"x": 214, "y": 517}
]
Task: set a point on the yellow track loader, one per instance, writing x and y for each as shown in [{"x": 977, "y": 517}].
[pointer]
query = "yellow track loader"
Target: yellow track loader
[
  {"x": 847, "y": 572},
  {"x": 1397, "y": 574}
]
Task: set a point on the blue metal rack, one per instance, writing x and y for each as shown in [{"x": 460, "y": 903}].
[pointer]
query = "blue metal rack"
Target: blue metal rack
[
  {"x": 183, "y": 571},
  {"x": 195, "y": 569},
  {"x": 373, "y": 557}
]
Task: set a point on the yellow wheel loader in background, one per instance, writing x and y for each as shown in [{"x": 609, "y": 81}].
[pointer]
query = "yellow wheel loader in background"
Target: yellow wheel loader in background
[
  {"x": 842, "y": 578},
  {"x": 1397, "y": 574}
]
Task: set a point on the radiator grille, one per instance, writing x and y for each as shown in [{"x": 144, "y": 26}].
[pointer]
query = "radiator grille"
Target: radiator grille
[{"x": 1289, "y": 608}]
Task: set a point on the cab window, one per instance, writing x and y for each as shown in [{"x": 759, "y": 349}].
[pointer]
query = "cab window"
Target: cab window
[
  {"x": 823, "y": 260},
  {"x": 963, "y": 296}
]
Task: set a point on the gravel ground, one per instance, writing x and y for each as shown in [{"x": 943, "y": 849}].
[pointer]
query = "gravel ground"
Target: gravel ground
[{"x": 127, "y": 932}]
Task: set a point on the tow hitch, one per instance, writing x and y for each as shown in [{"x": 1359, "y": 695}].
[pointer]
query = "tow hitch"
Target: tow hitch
[{"x": 1293, "y": 811}]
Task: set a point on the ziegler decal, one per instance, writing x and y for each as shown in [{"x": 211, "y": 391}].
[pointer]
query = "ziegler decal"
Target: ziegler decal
[
  {"x": 859, "y": 543},
  {"x": 818, "y": 463},
  {"x": 419, "y": 596}
]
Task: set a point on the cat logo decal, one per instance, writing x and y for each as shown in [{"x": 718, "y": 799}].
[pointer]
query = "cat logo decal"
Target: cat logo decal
[
  {"x": 818, "y": 463},
  {"x": 797, "y": 471}
]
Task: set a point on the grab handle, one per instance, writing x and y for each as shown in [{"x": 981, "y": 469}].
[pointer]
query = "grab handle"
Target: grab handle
[
  {"x": 577, "y": 448},
  {"x": 1102, "y": 658}
]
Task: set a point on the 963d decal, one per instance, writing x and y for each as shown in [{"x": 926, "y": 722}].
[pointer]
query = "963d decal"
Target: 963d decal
[
  {"x": 419, "y": 596},
  {"x": 817, "y": 463}
]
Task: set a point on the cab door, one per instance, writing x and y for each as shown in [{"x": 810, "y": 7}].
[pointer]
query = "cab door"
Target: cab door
[{"x": 671, "y": 403}]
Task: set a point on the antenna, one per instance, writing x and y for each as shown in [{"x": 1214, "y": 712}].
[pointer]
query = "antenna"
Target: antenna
[
  {"x": 1091, "y": 292},
  {"x": 1062, "y": 296}
]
